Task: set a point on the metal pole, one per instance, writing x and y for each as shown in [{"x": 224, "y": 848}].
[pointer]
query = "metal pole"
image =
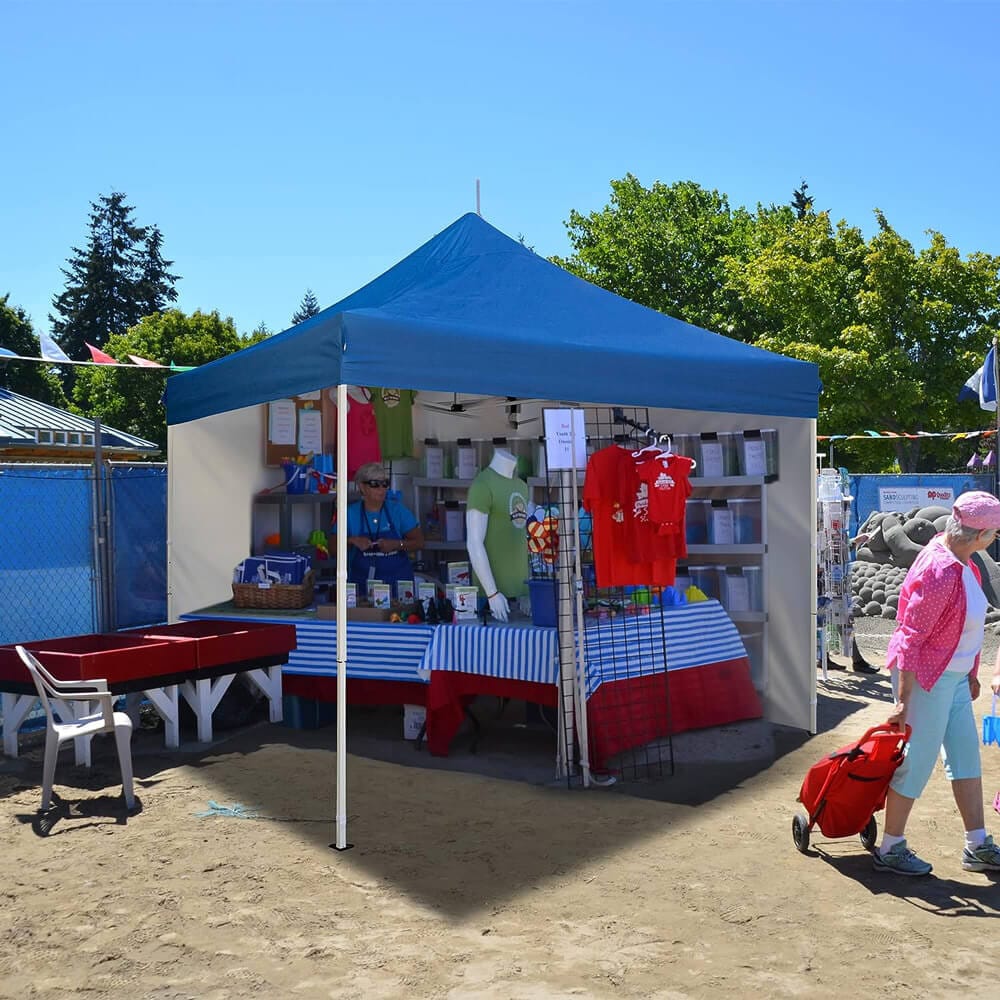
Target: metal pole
[
  {"x": 583, "y": 735},
  {"x": 341, "y": 843}
]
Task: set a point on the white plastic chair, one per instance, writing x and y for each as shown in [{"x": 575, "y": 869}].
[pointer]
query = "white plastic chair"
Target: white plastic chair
[{"x": 105, "y": 720}]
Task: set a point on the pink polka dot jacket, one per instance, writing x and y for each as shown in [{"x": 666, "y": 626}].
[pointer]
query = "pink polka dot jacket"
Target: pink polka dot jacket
[{"x": 930, "y": 615}]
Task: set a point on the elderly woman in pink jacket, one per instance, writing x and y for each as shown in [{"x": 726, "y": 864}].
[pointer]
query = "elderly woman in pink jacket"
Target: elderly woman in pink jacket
[{"x": 934, "y": 657}]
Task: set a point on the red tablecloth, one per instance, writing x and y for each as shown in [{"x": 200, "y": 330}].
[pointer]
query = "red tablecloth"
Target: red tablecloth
[
  {"x": 628, "y": 713},
  {"x": 620, "y": 715},
  {"x": 450, "y": 691}
]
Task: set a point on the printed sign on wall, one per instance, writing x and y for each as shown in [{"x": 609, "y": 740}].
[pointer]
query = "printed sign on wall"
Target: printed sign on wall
[{"x": 903, "y": 498}]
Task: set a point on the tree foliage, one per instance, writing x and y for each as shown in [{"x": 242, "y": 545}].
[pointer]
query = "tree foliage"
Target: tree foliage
[
  {"x": 663, "y": 246},
  {"x": 26, "y": 377},
  {"x": 307, "y": 307},
  {"x": 895, "y": 331},
  {"x": 129, "y": 398},
  {"x": 116, "y": 279}
]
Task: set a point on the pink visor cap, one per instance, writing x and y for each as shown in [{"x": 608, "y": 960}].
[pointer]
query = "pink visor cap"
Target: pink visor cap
[{"x": 977, "y": 510}]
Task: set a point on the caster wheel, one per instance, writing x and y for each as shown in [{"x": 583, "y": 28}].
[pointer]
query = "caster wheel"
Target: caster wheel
[
  {"x": 800, "y": 832},
  {"x": 869, "y": 835}
]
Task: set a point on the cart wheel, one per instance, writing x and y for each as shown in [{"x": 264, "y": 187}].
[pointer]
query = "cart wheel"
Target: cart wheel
[
  {"x": 869, "y": 835},
  {"x": 800, "y": 832}
]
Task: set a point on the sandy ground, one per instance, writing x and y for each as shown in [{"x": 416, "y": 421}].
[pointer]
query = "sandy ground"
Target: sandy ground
[{"x": 468, "y": 886}]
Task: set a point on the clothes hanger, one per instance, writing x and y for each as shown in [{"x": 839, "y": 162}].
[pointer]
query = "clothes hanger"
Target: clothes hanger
[{"x": 652, "y": 446}]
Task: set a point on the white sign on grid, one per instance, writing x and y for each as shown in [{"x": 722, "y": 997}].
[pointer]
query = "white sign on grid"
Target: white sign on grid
[{"x": 565, "y": 439}]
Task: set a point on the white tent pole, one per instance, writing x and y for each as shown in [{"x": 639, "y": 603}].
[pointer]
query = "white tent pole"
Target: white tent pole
[
  {"x": 583, "y": 736},
  {"x": 342, "y": 486}
]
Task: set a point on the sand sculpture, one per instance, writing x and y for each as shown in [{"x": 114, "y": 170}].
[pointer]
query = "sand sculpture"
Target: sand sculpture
[{"x": 885, "y": 547}]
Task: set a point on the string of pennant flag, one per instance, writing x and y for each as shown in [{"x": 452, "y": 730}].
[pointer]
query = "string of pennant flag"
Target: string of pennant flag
[
  {"x": 893, "y": 435},
  {"x": 53, "y": 354}
]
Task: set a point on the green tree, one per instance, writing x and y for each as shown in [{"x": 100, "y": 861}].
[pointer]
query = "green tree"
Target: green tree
[
  {"x": 895, "y": 332},
  {"x": 26, "y": 377},
  {"x": 260, "y": 332},
  {"x": 307, "y": 307},
  {"x": 664, "y": 247},
  {"x": 119, "y": 277},
  {"x": 129, "y": 398}
]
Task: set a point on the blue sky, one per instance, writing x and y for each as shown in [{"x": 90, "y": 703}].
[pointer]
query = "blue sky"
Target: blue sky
[{"x": 280, "y": 146}]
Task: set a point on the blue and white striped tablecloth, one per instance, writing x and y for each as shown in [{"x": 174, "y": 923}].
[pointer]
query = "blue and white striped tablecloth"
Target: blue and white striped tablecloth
[
  {"x": 694, "y": 635},
  {"x": 514, "y": 652},
  {"x": 375, "y": 651}
]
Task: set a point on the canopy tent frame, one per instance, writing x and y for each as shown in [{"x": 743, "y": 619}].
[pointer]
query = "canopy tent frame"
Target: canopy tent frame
[{"x": 474, "y": 311}]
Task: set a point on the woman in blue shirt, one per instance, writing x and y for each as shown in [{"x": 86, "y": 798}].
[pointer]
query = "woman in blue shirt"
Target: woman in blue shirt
[{"x": 380, "y": 532}]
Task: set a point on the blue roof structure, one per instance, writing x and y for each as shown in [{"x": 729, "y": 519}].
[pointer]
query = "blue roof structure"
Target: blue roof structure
[{"x": 475, "y": 311}]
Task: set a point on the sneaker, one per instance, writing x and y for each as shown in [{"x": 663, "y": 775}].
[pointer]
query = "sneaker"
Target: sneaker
[
  {"x": 984, "y": 858},
  {"x": 900, "y": 860}
]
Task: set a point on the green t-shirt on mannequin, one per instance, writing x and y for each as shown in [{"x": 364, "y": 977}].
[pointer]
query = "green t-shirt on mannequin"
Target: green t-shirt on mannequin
[{"x": 504, "y": 501}]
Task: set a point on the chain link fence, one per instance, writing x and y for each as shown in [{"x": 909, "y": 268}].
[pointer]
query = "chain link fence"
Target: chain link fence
[{"x": 82, "y": 548}]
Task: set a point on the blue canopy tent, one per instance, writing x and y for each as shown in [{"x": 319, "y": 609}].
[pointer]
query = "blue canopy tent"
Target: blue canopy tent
[
  {"x": 471, "y": 311},
  {"x": 474, "y": 311}
]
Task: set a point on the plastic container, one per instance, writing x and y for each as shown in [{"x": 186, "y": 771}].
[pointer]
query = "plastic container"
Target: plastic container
[
  {"x": 720, "y": 523},
  {"x": 828, "y": 485},
  {"x": 689, "y": 446},
  {"x": 712, "y": 461},
  {"x": 708, "y": 579},
  {"x": 542, "y": 594},
  {"x": 735, "y": 590},
  {"x": 696, "y": 521},
  {"x": 746, "y": 521},
  {"x": 682, "y": 581},
  {"x": 753, "y": 642},
  {"x": 770, "y": 436},
  {"x": 755, "y": 580},
  {"x": 732, "y": 445}
]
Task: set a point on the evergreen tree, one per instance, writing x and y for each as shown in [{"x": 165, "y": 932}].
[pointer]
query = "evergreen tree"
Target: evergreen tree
[
  {"x": 119, "y": 277},
  {"x": 156, "y": 284},
  {"x": 802, "y": 202},
  {"x": 307, "y": 307}
]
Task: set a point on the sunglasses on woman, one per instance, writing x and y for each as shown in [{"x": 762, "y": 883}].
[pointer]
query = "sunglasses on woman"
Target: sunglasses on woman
[{"x": 377, "y": 484}]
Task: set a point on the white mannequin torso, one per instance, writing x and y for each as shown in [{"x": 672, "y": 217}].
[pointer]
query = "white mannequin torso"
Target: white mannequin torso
[{"x": 503, "y": 463}]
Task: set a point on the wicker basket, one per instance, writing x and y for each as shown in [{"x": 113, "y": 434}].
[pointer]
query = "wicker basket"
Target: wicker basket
[{"x": 279, "y": 595}]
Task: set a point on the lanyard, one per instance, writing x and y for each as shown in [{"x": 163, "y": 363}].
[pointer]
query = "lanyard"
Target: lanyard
[{"x": 373, "y": 535}]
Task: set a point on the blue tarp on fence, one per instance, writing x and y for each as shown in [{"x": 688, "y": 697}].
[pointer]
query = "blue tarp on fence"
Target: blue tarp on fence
[{"x": 865, "y": 489}]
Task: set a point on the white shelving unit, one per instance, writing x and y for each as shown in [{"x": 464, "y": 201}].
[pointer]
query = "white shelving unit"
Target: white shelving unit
[{"x": 752, "y": 624}]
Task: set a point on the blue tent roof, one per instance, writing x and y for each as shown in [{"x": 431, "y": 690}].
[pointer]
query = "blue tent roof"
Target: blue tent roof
[{"x": 475, "y": 311}]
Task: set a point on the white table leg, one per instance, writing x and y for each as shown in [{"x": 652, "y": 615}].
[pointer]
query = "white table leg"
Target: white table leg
[
  {"x": 165, "y": 701},
  {"x": 16, "y": 708},
  {"x": 204, "y": 696},
  {"x": 267, "y": 680}
]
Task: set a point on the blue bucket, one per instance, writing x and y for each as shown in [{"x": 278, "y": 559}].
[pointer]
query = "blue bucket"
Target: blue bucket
[
  {"x": 543, "y": 602},
  {"x": 295, "y": 477},
  {"x": 991, "y": 726}
]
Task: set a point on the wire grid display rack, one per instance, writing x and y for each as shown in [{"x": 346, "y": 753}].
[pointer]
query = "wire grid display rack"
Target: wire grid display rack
[{"x": 607, "y": 634}]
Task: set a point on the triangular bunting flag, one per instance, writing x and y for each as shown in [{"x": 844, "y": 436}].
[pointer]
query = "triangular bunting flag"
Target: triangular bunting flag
[
  {"x": 51, "y": 351},
  {"x": 99, "y": 356},
  {"x": 144, "y": 362}
]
